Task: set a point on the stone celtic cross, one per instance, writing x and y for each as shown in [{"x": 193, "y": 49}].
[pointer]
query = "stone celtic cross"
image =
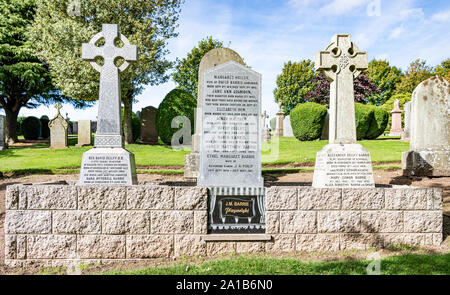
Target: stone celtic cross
[
  {"x": 58, "y": 107},
  {"x": 109, "y": 127},
  {"x": 341, "y": 62}
]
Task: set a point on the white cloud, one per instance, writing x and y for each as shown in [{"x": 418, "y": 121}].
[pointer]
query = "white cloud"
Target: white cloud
[
  {"x": 339, "y": 7},
  {"x": 397, "y": 32},
  {"x": 443, "y": 16}
]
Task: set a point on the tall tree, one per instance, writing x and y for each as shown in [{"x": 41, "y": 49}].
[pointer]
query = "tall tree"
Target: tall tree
[
  {"x": 417, "y": 72},
  {"x": 385, "y": 77},
  {"x": 186, "y": 69},
  {"x": 444, "y": 69},
  {"x": 294, "y": 82},
  {"x": 363, "y": 88},
  {"x": 24, "y": 79},
  {"x": 58, "y": 34}
]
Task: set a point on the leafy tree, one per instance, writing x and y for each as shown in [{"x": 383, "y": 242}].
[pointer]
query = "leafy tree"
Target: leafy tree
[
  {"x": 444, "y": 69},
  {"x": 294, "y": 83},
  {"x": 363, "y": 88},
  {"x": 147, "y": 24},
  {"x": 385, "y": 77},
  {"x": 186, "y": 69},
  {"x": 417, "y": 72}
]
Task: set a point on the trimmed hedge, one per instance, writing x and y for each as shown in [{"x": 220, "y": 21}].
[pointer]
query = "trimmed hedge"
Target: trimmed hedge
[
  {"x": 307, "y": 120},
  {"x": 389, "y": 106},
  {"x": 31, "y": 128},
  {"x": 45, "y": 130},
  {"x": 363, "y": 117},
  {"x": 135, "y": 125},
  {"x": 379, "y": 122},
  {"x": 176, "y": 103}
]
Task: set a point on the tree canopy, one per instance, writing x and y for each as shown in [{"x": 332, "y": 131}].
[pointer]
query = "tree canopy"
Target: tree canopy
[
  {"x": 385, "y": 77},
  {"x": 417, "y": 72}
]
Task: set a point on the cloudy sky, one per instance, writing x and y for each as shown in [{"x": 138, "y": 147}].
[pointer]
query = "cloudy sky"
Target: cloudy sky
[{"x": 267, "y": 33}]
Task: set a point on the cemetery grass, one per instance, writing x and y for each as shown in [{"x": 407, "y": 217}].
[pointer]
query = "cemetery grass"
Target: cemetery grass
[{"x": 38, "y": 158}]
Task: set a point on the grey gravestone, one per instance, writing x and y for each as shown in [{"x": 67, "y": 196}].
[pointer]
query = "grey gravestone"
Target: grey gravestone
[
  {"x": 343, "y": 162},
  {"x": 108, "y": 162},
  {"x": 265, "y": 133},
  {"x": 407, "y": 129},
  {"x": 84, "y": 132},
  {"x": 58, "y": 130},
  {"x": 230, "y": 153},
  {"x": 396, "y": 122},
  {"x": 3, "y": 144},
  {"x": 287, "y": 128},
  {"x": 429, "y": 153},
  {"x": 149, "y": 134},
  {"x": 212, "y": 58},
  {"x": 279, "y": 122}
]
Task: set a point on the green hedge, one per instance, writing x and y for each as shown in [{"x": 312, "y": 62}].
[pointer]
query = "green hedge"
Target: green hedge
[
  {"x": 176, "y": 103},
  {"x": 389, "y": 106},
  {"x": 307, "y": 120},
  {"x": 31, "y": 128},
  {"x": 379, "y": 122},
  {"x": 135, "y": 125},
  {"x": 363, "y": 117}
]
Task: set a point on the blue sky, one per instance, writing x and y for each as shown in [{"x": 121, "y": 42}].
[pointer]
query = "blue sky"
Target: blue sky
[{"x": 267, "y": 33}]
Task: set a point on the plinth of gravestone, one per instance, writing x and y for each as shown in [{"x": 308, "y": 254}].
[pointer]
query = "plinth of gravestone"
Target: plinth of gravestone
[
  {"x": 342, "y": 163},
  {"x": 84, "y": 133},
  {"x": 279, "y": 122},
  {"x": 149, "y": 134},
  {"x": 58, "y": 130},
  {"x": 212, "y": 58},
  {"x": 407, "y": 130},
  {"x": 230, "y": 152},
  {"x": 396, "y": 122},
  {"x": 108, "y": 162},
  {"x": 429, "y": 153},
  {"x": 287, "y": 128},
  {"x": 3, "y": 144}
]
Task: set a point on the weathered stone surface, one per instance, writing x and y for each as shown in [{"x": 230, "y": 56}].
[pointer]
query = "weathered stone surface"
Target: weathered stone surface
[
  {"x": 150, "y": 246},
  {"x": 437, "y": 199},
  {"x": 338, "y": 221},
  {"x": 76, "y": 222},
  {"x": 172, "y": 222},
  {"x": 281, "y": 198},
  {"x": 423, "y": 221},
  {"x": 200, "y": 222},
  {"x": 281, "y": 243},
  {"x": 51, "y": 246},
  {"x": 298, "y": 222},
  {"x": 272, "y": 222},
  {"x": 319, "y": 199},
  {"x": 58, "y": 131},
  {"x": 125, "y": 222},
  {"x": 10, "y": 246},
  {"x": 50, "y": 196},
  {"x": 411, "y": 239},
  {"x": 220, "y": 248},
  {"x": 317, "y": 242},
  {"x": 192, "y": 198},
  {"x": 382, "y": 221},
  {"x": 150, "y": 197},
  {"x": 101, "y": 246},
  {"x": 101, "y": 198},
  {"x": 21, "y": 247},
  {"x": 363, "y": 199},
  {"x": 28, "y": 222},
  {"x": 12, "y": 197},
  {"x": 406, "y": 199},
  {"x": 360, "y": 241},
  {"x": 250, "y": 247},
  {"x": 84, "y": 133},
  {"x": 189, "y": 245},
  {"x": 396, "y": 125}
]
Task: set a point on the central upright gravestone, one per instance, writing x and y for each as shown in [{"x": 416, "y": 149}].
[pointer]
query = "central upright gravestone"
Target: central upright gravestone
[
  {"x": 108, "y": 162},
  {"x": 230, "y": 152},
  {"x": 343, "y": 162}
]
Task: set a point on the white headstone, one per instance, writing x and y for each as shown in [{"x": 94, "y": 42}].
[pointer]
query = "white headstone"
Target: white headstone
[
  {"x": 279, "y": 131},
  {"x": 84, "y": 132},
  {"x": 287, "y": 128},
  {"x": 342, "y": 163},
  {"x": 407, "y": 119},
  {"x": 3, "y": 144}
]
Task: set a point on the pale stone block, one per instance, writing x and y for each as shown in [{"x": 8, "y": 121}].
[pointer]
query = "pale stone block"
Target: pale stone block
[
  {"x": 360, "y": 241},
  {"x": 281, "y": 198},
  {"x": 406, "y": 199},
  {"x": 411, "y": 239},
  {"x": 220, "y": 248},
  {"x": 76, "y": 222},
  {"x": 250, "y": 247},
  {"x": 437, "y": 239},
  {"x": 382, "y": 221},
  {"x": 10, "y": 246},
  {"x": 150, "y": 246},
  {"x": 101, "y": 246},
  {"x": 51, "y": 246},
  {"x": 319, "y": 199},
  {"x": 200, "y": 222},
  {"x": 363, "y": 199},
  {"x": 423, "y": 221},
  {"x": 125, "y": 222},
  {"x": 437, "y": 199},
  {"x": 172, "y": 222},
  {"x": 50, "y": 196},
  {"x": 298, "y": 222},
  {"x": 317, "y": 242},
  {"x": 281, "y": 243},
  {"x": 150, "y": 197},
  {"x": 28, "y": 222},
  {"x": 338, "y": 221},
  {"x": 189, "y": 245},
  {"x": 21, "y": 247},
  {"x": 272, "y": 222},
  {"x": 101, "y": 198},
  {"x": 12, "y": 197},
  {"x": 191, "y": 198}
]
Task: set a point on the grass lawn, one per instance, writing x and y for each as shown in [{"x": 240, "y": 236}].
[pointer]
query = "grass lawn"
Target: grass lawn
[
  {"x": 40, "y": 159},
  {"x": 410, "y": 264}
]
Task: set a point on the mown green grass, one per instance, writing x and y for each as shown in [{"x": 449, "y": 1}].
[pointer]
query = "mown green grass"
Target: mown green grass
[
  {"x": 40, "y": 159},
  {"x": 410, "y": 264}
]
